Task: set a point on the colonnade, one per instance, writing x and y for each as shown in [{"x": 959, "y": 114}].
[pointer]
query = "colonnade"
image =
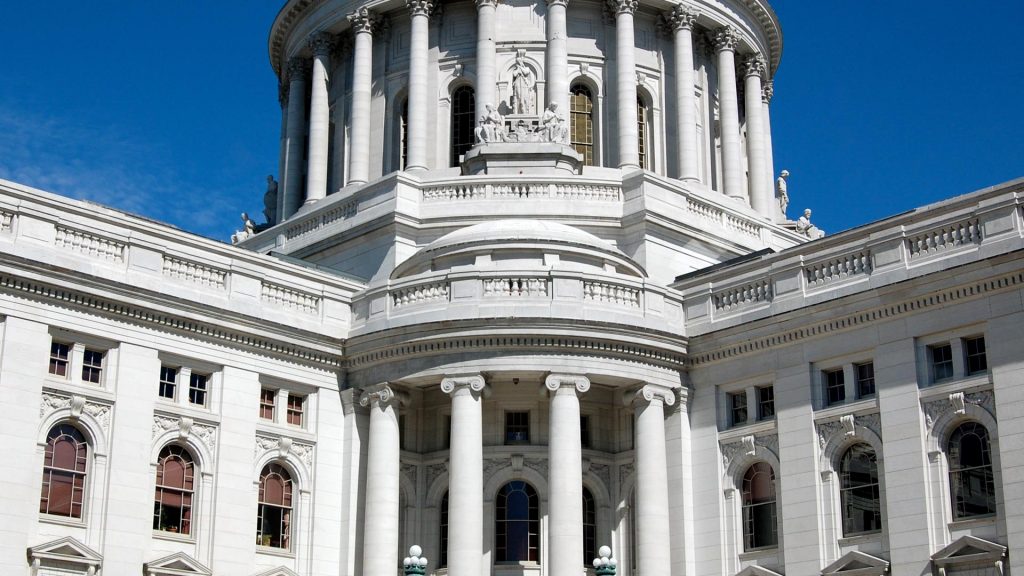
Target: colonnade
[
  {"x": 565, "y": 479},
  {"x": 748, "y": 180}
]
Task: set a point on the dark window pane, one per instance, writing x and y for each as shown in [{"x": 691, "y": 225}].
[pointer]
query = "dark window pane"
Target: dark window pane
[
  {"x": 865, "y": 379},
  {"x": 197, "y": 389},
  {"x": 942, "y": 361},
  {"x": 92, "y": 366},
  {"x": 835, "y": 386},
  {"x": 517, "y": 523},
  {"x": 517, "y": 428},
  {"x": 759, "y": 512},
  {"x": 858, "y": 489},
  {"x": 273, "y": 523},
  {"x": 975, "y": 350},
  {"x": 581, "y": 122},
  {"x": 168, "y": 381},
  {"x": 59, "y": 359},
  {"x": 463, "y": 121},
  {"x": 64, "y": 463},
  {"x": 765, "y": 402},
  {"x": 971, "y": 481}
]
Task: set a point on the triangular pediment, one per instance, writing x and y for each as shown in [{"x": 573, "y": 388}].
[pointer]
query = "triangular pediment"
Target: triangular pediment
[
  {"x": 279, "y": 571},
  {"x": 177, "y": 564},
  {"x": 65, "y": 549},
  {"x": 856, "y": 563},
  {"x": 756, "y": 571},
  {"x": 969, "y": 550}
]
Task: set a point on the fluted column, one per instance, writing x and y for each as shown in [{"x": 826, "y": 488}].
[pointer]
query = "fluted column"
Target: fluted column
[
  {"x": 291, "y": 187},
  {"x": 565, "y": 459},
  {"x": 556, "y": 72},
  {"x": 364, "y": 22},
  {"x": 625, "y": 67},
  {"x": 486, "y": 68},
  {"x": 319, "y": 118},
  {"x": 769, "y": 160},
  {"x": 465, "y": 483},
  {"x": 380, "y": 520},
  {"x": 757, "y": 181},
  {"x": 682, "y": 19},
  {"x": 726, "y": 40},
  {"x": 652, "y": 520},
  {"x": 419, "y": 14}
]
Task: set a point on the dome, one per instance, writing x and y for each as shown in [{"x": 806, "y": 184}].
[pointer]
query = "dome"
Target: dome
[{"x": 520, "y": 241}]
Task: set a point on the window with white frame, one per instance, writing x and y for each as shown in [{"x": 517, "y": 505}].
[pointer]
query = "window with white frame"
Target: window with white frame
[
  {"x": 760, "y": 515},
  {"x": 65, "y": 464},
  {"x": 765, "y": 402},
  {"x": 198, "y": 389},
  {"x": 175, "y": 489},
  {"x": 745, "y": 405},
  {"x": 268, "y": 398},
  {"x": 168, "y": 382},
  {"x": 274, "y": 514},
  {"x": 974, "y": 351},
  {"x": 864, "y": 374},
  {"x": 859, "y": 493},
  {"x": 738, "y": 408},
  {"x": 834, "y": 384},
  {"x": 971, "y": 480},
  {"x": 77, "y": 362},
  {"x": 951, "y": 357},
  {"x": 940, "y": 358}
]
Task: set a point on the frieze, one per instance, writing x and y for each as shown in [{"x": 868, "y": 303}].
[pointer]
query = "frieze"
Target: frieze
[
  {"x": 956, "y": 403},
  {"x": 747, "y": 446},
  {"x": 186, "y": 427},
  {"x": 283, "y": 445},
  {"x": 50, "y": 403}
]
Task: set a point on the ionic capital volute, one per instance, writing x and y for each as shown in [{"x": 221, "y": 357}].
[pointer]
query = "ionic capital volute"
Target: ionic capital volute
[
  {"x": 754, "y": 65},
  {"x": 726, "y": 38},
  {"x": 321, "y": 44},
  {"x": 380, "y": 395},
  {"x": 680, "y": 17},
  {"x": 578, "y": 382},
  {"x": 474, "y": 382},
  {"x": 364, "y": 20},
  {"x": 649, "y": 393}
]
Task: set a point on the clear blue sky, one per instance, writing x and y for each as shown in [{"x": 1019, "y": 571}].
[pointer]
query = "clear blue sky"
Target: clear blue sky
[{"x": 169, "y": 109}]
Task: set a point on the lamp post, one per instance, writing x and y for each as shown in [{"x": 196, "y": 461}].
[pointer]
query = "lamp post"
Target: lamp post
[
  {"x": 606, "y": 564},
  {"x": 414, "y": 564}
]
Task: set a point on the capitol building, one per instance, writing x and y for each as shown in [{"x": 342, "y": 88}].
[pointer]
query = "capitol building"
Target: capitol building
[{"x": 528, "y": 285}]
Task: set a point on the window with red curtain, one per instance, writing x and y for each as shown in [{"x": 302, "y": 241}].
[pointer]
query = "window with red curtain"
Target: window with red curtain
[
  {"x": 175, "y": 489},
  {"x": 64, "y": 471},
  {"x": 273, "y": 524}
]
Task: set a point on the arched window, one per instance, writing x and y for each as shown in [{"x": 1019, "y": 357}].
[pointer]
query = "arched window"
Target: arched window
[
  {"x": 972, "y": 489},
  {"x": 403, "y": 131},
  {"x": 443, "y": 550},
  {"x": 642, "y": 134},
  {"x": 589, "y": 527},
  {"x": 858, "y": 490},
  {"x": 581, "y": 122},
  {"x": 274, "y": 521},
  {"x": 64, "y": 468},
  {"x": 175, "y": 477},
  {"x": 517, "y": 523},
  {"x": 759, "y": 516},
  {"x": 463, "y": 121}
]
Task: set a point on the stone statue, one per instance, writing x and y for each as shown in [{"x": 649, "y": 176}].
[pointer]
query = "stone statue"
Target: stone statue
[
  {"x": 491, "y": 128},
  {"x": 781, "y": 195},
  {"x": 553, "y": 124},
  {"x": 522, "y": 87},
  {"x": 804, "y": 226},
  {"x": 270, "y": 201},
  {"x": 247, "y": 230}
]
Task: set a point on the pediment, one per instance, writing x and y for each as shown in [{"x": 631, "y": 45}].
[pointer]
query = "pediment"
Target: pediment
[
  {"x": 65, "y": 549},
  {"x": 177, "y": 564},
  {"x": 969, "y": 550},
  {"x": 756, "y": 571},
  {"x": 857, "y": 563},
  {"x": 279, "y": 571}
]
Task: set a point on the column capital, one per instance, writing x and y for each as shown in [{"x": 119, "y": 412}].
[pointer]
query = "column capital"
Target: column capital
[
  {"x": 578, "y": 381},
  {"x": 562, "y": 3},
  {"x": 298, "y": 68},
  {"x": 648, "y": 393},
  {"x": 379, "y": 395},
  {"x": 726, "y": 38},
  {"x": 475, "y": 382},
  {"x": 364, "y": 20},
  {"x": 680, "y": 17},
  {"x": 754, "y": 65},
  {"x": 321, "y": 44},
  {"x": 767, "y": 91},
  {"x": 622, "y": 6},
  {"x": 485, "y": 3},
  {"x": 420, "y": 7}
]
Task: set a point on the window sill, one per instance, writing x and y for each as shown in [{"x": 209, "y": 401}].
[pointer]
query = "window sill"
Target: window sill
[
  {"x": 275, "y": 429},
  {"x": 947, "y": 387},
  {"x": 741, "y": 430},
  {"x": 857, "y": 407},
  {"x": 862, "y": 538},
  {"x": 173, "y": 536},
  {"x": 62, "y": 520},
  {"x": 758, "y": 553},
  {"x": 972, "y": 522},
  {"x": 67, "y": 386},
  {"x": 271, "y": 551}
]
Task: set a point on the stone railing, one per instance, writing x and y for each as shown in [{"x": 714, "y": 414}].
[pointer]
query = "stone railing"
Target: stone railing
[
  {"x": 835, "y": 269},
  {"x": 90, "y": 244},
  {"x": 617, "y": 294},
  {"x": 515, "y": 287},
  {"x": 497, "y": 189},
  {"x": 945, "y": 238},
  {"x": 432, "y": 292},
  {"x": 194, "y": 272},
  {"x": 286, "y": 297},
  {"x": 757, "y": 292}
]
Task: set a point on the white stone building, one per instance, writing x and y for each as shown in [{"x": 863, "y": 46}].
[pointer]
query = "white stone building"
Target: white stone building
[{"x": 593, "y": 330}]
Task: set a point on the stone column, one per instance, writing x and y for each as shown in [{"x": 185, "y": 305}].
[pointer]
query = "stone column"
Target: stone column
[
  {"x": 380, "y": 519},
  {"x": 419, "y": 14},
  {"x": 726, "y": 40},
  {"x": 769, "y": 161},
  {"x": 654, "y": 543},
  {"x": 565, "y": 458},
  {"x": 556, "y": 72},
  {"x": 757, "y": 181},
  {"x": 625, "y": 68},
  {"x": 465, "y": 482},
  {"x": 682, "y": 19},
  {"x": 364, "y": 22},
  {"x": 486, "y": 68},
  {"x": 319, "y": 118},
  {"x": 291, "y": 187}
]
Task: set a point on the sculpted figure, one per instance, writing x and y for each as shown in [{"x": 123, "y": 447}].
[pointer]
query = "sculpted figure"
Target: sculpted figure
[
  {"x": 491, "y": 128},
  {"x": 247, "y": 230},
  {"x": 781, "y": 195},
  {"x": 553, "y": 124},
  {"x": 270, "y": 201},
  {"x": 804, "y": 226},
  {"x": 522, "y": 87}
]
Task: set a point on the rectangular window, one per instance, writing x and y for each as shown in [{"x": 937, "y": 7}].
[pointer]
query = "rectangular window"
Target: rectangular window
[
  {"x": 296, "y": 406},
  {"x": 765, "y": 403},
  {"x": 517, "y": 427},
  {"x": 835, "y": 386},
  {"x": 267, "y": 399},
  {"x": 865, "y": 374},
  {"x": 168, "y": 381},
  {"x": 197, "y": 389},
  {"x": 59, "y": 359},
  {"x": 941, "y": 357},
  {"x": 975, "y": 350},
  {"x": 585, "y": 431},
  {"x": 92, "y": 366},
  {"x": 738, "y": 408}
]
